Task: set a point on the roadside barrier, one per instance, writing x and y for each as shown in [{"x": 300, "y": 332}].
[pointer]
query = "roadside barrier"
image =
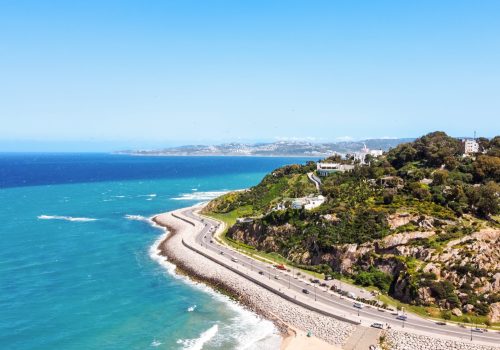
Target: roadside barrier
[{"x": 263, "y": 285}]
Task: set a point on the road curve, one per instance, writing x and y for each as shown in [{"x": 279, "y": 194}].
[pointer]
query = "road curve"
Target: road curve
[{"x": 292, "y": 288}]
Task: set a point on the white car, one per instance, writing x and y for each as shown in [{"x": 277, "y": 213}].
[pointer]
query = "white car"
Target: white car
[
  {"x": 357, "y": 305},
  {"x": 234, "y": 259},
  {"x": 378, "y": 325}
]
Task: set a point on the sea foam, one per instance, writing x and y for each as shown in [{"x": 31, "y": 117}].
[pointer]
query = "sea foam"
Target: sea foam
[
  {"x": 247, "y": 329},
  {"x": 137, "y": 218},
  {"x": 66, "y": 218},
  {"x": 197, "y": 343},
  {"x": 199, "y": 196}
]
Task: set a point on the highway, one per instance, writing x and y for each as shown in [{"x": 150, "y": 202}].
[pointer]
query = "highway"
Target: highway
[{"x": 323, "y": 298}]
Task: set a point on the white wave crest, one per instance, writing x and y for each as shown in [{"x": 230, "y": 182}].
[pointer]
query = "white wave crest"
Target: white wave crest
[
  {"x": 137, "y": 218},
  {"x": 66, "y": 218},
  {"x": 147, "y": 195},
  {"x": 197, "y": 344},
  {"x": 191, "y": 308},
  {"x": 199, "y": 196},
  {"x": 155, "y": 343}
]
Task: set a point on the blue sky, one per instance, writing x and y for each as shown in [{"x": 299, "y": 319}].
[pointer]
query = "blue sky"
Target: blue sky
[{"x": 93, "y": 75}]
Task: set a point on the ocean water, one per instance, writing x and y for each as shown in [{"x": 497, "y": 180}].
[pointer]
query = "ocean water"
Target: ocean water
[{"x": 76, "y": 264}]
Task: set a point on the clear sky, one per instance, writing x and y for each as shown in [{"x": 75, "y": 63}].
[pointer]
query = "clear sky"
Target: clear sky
[{"x": 85, "y": 74}]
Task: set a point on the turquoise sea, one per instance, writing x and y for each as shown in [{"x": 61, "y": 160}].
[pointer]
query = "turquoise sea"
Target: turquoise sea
[{"x": 76, "y": 269}]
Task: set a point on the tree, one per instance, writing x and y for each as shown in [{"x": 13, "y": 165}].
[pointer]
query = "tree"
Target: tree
[
  {"x": 487, "y": 168},
  {"x": 440, "y": 177},
  {"x": 488, "y": 199}
]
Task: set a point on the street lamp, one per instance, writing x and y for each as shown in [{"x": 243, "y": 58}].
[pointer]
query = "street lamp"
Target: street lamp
[
  {"x": 314, "y": 292},
  {"x": 269, "y": 271},
  {"x": 288, "y": 281}
]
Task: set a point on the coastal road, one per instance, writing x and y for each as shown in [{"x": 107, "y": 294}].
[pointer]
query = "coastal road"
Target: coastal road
[{"x": 288, "y": 283}]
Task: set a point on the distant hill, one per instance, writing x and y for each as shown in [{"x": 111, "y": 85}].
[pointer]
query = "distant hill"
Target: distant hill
[{"x": 274, "y": 149}]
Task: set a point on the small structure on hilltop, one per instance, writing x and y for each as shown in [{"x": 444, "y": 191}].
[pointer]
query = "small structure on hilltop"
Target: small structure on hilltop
[
  {"x": 469, "y": 146},
  {"x": 308, "y": 203},
  {"x": 365, "y": 151},
  {"x": 325, "y": 169}
]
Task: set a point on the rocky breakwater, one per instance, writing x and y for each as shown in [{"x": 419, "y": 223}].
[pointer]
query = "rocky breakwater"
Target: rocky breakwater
[
  {"x": 398, "y": 340},
  {"x": 270, "y": 306}
]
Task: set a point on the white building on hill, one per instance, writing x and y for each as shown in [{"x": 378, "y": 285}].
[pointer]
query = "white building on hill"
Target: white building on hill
[
  {"x": 366, "y": 151},
  {"x": 325, "y": 169},
  {"x": 308, "y": 203},
  {"x": 470, "y": 146}
]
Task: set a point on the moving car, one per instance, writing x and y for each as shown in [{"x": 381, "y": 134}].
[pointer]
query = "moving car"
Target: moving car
[
  {"x": 276, "y": 277},
  {"x": 221, "y": 252},
  {"x": 402, "y": 317},
  {"x": 234, "y": 259},
  {"x": 378, "y": 325},
  {"x": 261, "y": 272},
  {"x": 477, "y": 330},
  {"x": 305, "y": 291},
  {"x": 357, "y": 305}
]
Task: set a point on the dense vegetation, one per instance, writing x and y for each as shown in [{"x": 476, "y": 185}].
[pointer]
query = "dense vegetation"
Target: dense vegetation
[{"x": 428, "y": 180}]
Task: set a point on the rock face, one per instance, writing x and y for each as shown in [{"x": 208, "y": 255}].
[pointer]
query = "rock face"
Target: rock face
[
  {"x": 470, "y": 263},
  {"x": 495, "y": 312}
]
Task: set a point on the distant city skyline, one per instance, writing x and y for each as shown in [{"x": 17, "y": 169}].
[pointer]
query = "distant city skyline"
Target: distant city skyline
[{"x": 101, "y": 76}]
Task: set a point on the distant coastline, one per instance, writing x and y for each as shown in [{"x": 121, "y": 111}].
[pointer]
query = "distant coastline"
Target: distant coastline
[{"x": 290, "y": 149}]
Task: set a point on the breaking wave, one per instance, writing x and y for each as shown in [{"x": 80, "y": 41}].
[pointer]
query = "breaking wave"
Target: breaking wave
[
  {"x": 199, "y": 196},
  {"x": 66, "y": 218},
  {"x": 137, "y": 218},
  {"x": 191, "y": 308},
  {"x": 197, "y": 343}
]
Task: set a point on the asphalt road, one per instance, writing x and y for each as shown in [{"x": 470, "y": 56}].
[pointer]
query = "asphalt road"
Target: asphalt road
[{"x": 321, "y": 296}]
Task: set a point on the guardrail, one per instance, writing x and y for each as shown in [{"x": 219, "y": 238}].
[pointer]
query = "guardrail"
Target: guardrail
[{"x": 269, "y": 288}]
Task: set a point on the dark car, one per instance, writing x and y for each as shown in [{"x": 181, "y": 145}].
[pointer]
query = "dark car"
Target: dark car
[
  {"x": 261, "y": 272},
  {"x": 315, "y": 281},
  {"x": 305, "y": 291}
]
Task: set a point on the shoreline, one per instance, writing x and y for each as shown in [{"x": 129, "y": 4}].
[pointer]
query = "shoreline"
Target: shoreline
[
  {"x": 292, "y": 321},
  {"x": 238, "y": 289}
]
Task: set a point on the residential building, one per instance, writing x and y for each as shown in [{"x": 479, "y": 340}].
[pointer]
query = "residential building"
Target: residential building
[
  {"x": 361, "y": 156},
  {"x": 325, "y": 169},
  {"x": 469, "y": 146}
]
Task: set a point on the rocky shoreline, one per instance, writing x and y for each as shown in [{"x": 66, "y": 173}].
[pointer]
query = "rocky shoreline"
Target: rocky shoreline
[
  {"x": 284, "y": 314},
  {"x": 399, "y": 340}
]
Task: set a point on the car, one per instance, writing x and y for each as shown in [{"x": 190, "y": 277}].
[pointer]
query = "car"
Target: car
[
  {"x": 328, "y": 278},
  {"x": 211, "y": 241},
  {"x": 378, "y": 325},
  {"x": 234, "y": 259},
  {"x": 305, "y": 291},
  {"x": 441, "y": 323},
  {"x": 261, "y": 272},
  {"x": 276, "y": 277},
  {"x": 221, "y": 252},
  {"x": 323, "y": 285},
  {"x": 351, "y": 295},
  {"x": 402, "y": 317},
  {"x": 315, "y": 281},
  {"x": 357, "y": 305},
  {"x": 477, "y": 330}
]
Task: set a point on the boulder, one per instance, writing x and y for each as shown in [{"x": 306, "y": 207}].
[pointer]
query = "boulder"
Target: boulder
[
  {"x": 494, "y": 312},
  {"x": 468, "y": 308},
  {"x": 456, "y": 311}
]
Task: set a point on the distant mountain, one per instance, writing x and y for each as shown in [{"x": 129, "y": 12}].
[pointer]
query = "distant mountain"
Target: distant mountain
[{"x": 274, "y": 149}]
